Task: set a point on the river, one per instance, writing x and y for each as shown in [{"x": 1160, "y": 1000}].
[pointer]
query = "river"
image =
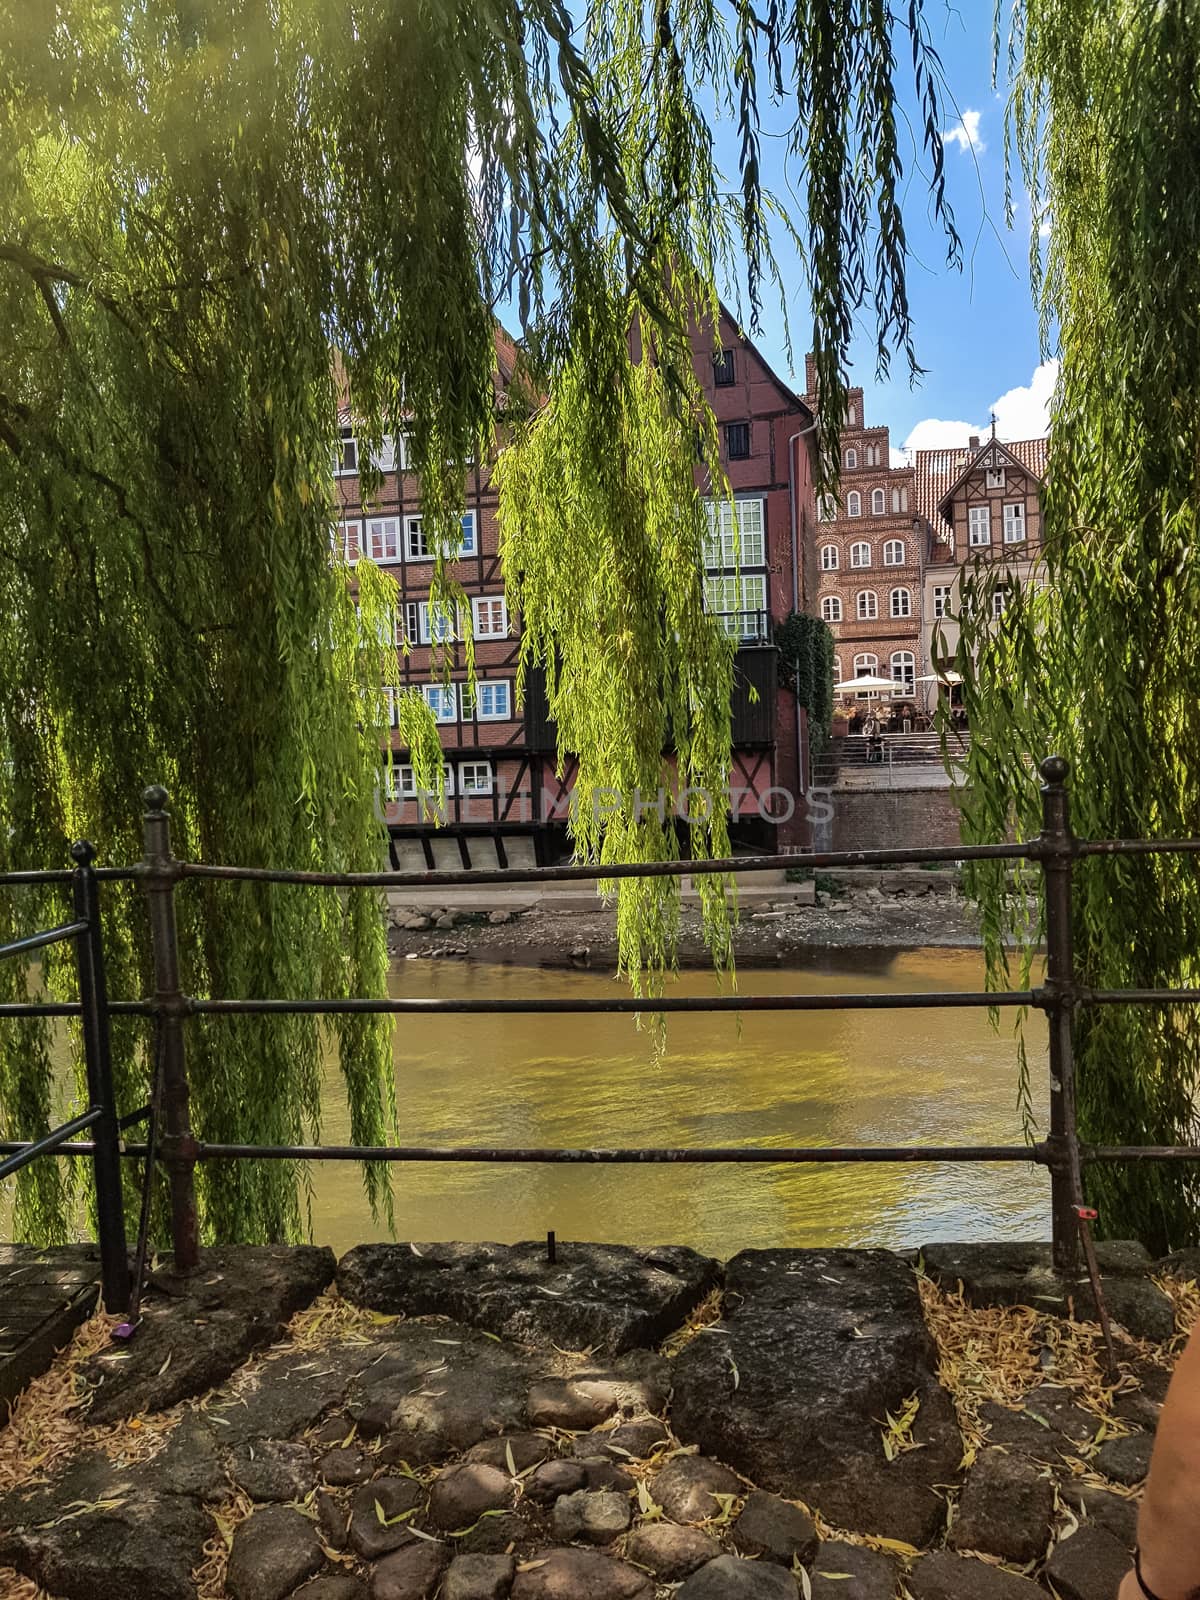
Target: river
[{"x": 823, "y": 1078}]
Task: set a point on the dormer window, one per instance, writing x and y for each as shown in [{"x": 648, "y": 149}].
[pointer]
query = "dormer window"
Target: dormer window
[
  {"x": 347, "y": 457},
  {"x": 995, "y": 477},
  {"x": 723, "y": 371}
]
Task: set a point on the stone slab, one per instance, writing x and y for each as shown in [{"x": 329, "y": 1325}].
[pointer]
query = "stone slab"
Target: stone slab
[
  {"x": 608, "y": 1298},
  {"x": 196, "y": 1330},
  {"x": 1023, "y": 1274},
  {"x": 44, "y": 1296},
  {"x": 817, "y": 1347}
]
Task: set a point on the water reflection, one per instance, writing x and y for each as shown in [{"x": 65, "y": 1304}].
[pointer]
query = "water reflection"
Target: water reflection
[{"x": 825, "y": 1078}]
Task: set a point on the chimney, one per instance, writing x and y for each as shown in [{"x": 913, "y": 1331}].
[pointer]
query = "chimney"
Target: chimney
[
  {"x": 973, "y": 442},
  {"x": 810, "y": 375}
]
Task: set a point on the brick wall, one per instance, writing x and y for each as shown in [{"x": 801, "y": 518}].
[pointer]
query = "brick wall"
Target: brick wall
[{"x": 881, "y": 818}]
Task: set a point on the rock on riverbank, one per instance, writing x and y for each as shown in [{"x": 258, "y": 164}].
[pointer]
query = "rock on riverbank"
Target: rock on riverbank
[{"x": 454, "y": 1439}]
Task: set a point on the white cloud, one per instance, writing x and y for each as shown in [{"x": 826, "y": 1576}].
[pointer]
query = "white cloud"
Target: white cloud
[
  {"x": 965, "y": 133},
  {"x": 1021, "y": 413}
]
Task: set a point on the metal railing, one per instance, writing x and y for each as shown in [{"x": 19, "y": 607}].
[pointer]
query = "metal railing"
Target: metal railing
[{"x": 1055, "y": 850}]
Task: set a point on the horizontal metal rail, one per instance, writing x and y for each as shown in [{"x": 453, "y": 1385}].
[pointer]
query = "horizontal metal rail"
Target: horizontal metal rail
[
  {"x": 584, "y": 872},
  {"x": 759, "y": 1155},
  {"x": 38, "y": 941},
  {"x": 30, "y": 1150},
  {"x": 64, "y": 875},
  {"x": 622, "y": 1004},
  {"x": 73, "y": 1008}
]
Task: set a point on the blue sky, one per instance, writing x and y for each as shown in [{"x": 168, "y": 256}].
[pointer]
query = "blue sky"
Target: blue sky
[{"x": 976, "y": 330}]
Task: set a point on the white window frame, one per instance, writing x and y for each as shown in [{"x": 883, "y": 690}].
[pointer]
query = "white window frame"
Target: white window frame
[
  {"x": 865, "y": 666},
  {"x": 435, "y": 699},
  {"x": 494, "y": 685},
  {"x": 416, "y": 546},
  {"x": 482, "y": 604},
  {"x": 425, "y": 615},
  {"x": 830, "y": 560},
  {"x": 384, "y": 532},
  {"x": 726, "y": 548},
  {"x": 893, "y": 560},
  {"x": 386, "y": 459},
  {"x": 979, "y": 527},
  {"x": 827, "y": 508},
  {"x": 486, "y": 767},
  {"x": 850, "y": 459},
  {"x": 831, "y": 608},
  {"x": 994, "y": 477},
  {"x": 856, "y": 550},
  {"x": 941, "y": 599},
  {"x": 348, "y": 445},
  {"x": 866, "y": 605},
  {"x": 344, "y": 529},
  {"x": 854, "y": 504},
  {"x": 900, "y": 603},
  {"x": 1000, "y": 599},
  {"x": 738, "y": 603},
  {"x": 1014, "y": 522},
  {"x": 903, "y": 670},
  {"x": 878, "y": 503}
]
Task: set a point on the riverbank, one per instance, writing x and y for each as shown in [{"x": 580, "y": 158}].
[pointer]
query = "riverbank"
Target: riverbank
[
  {"x": 489, "y": 1423},
  {"x": 885, "y": 911}
]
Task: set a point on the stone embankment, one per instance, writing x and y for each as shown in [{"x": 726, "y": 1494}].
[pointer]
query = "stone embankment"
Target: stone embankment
[
  {"x": 477, "y": 1422},
  {"x": 891, "y": 910}
]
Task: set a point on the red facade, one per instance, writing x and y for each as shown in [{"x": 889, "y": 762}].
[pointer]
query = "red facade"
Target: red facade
[{"x": 501, "y": 783}]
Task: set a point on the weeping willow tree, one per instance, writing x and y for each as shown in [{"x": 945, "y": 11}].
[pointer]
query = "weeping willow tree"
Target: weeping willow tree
[
  {"x": 197, "y": 204},
  {"x": 1101, "y": 658}
]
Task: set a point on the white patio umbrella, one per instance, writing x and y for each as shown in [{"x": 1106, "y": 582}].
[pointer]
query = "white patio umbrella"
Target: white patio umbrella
[
  {"x": 869, "y": 683},
  {"x": 940, "y": 677}
]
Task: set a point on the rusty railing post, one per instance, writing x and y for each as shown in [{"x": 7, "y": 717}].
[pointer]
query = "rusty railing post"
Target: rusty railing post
[
  {"x": 1057, "y": 857},
  {"x": 106, "y": 1133},
  {"x": 160, "y": 874}
]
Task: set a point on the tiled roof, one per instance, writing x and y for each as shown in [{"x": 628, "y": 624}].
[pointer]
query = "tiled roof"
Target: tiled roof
[{"x": 937, "y": 471}]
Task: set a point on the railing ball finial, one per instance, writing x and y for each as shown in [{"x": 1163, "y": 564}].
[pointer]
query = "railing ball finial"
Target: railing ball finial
[
  {"x": 1054, "y": 769},
  {"x": 155, "y": 798},
  {"x": 83, "y": 852}
]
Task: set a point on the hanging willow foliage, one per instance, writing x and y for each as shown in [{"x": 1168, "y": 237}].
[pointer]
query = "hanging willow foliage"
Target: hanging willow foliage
[
  {"x": 197, "y": 203},
  {"x": 1102, "y": 661}
]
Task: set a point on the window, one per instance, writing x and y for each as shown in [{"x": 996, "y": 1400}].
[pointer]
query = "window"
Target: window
[
  {"x": 901, "y": 603},
  {"x": 383, "y": 538},
  {"x": 385, "y": 461},
  {"x": 436, "y": 626},
  {"x": 489, "y": 615},
  {"x": 904, "y": 670},
  {"x": 979, "y": 523},
  {"x": 850, "y": 458},
  {"x": 723, "y": 372},
  {"x": 867, "y": 605},
  {"x": 865, "y": 667},
  {"x": 721, "y": 551},
  {"x": 829, "y": 558},
  {"x": 900, "y": 499},
  {"x": 493, "y": 700},
  {"x": 837, "y": 669},
  {"x": 739, "y": 605},
  {"x": 349, "y": 538},
  {"x": 831, "y": 608},
  {"x": 1014, "y": 522},
  {"x": 854, "y": 504},
  {"x": 475, "y": 777},
  {"x": 878, "y": 503},
  {"x": 995, "y": 477},
  {"x": 860, "y": 554},
  {"x": 941, "y": 599},
  {"x": 893, "y": 553},
  {"x": 391, "y": 706},
  {"x": 737, "y": 441},
  {"x": 442, "y": 700},
  {"x": 852, "y": 415},
  {"x": 402, "y": 783},
  {"x": 1000, "y": 599},
  {"x": 871, "y": 455},
  {"x": 347, "y": 456},
  {"x": 826, "y": 508},
  {"x": 416, "y": 545}
]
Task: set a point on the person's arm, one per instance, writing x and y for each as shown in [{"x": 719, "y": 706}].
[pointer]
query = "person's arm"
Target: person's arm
[{"x": 1169, "y": 1523}]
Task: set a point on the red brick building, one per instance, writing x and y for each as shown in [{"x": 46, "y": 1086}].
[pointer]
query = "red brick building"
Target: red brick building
[{"x": 503, "y": 801}]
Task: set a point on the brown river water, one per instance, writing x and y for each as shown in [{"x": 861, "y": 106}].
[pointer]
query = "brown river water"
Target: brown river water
[{"x": 768, "y": 1078}]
